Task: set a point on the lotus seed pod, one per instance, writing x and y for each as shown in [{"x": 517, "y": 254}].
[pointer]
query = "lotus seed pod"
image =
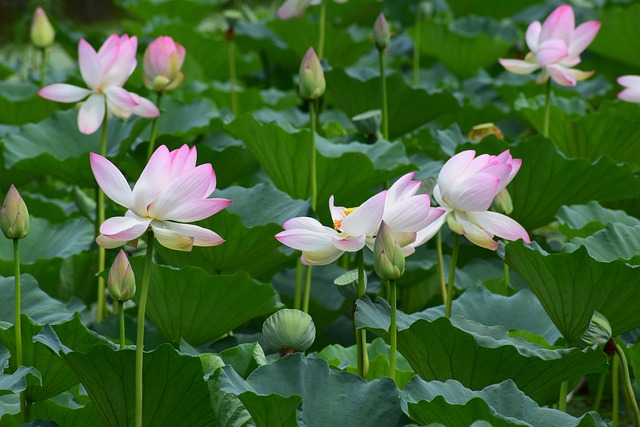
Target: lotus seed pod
[
  {"x": 311, "y": 76},
  {"x": 14, "y": 218},
  {"x": 122, "y": 281},
  {"x": 388, "y": 259},
  {"x": 289, "y": 330},
  {"x": 42, "y": 32}
]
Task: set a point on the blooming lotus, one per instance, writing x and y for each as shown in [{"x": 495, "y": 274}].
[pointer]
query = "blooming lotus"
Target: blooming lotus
[
  {"x": 171, "y": 190},
  {"x": 104, "y": 72},
  {"x": 162, "y": 62},
  {"x": 555, "y": 47},
  {"x": 296, "y": 8},
  {"x": 466, "y": 187},
  {"x": 631, "y": 93}
]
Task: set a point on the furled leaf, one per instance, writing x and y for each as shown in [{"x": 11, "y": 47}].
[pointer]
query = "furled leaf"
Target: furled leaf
[{"x": 584, "y": 220}]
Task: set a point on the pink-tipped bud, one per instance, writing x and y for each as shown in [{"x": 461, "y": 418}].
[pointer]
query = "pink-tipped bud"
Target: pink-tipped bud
[
  {"x": 42, "y": 33},
  {"x": 312, "y": 84},
  {"x": 162, "y": 62},
  {"x": 14, "y": 217},
  {"x": 381, "y": 33},
  {"x": 122, "y": 282}
]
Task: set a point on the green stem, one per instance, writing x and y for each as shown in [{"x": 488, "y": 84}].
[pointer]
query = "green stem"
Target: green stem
[
  {"x": 361, "y": 335},
  {"x": 416, "y": 46},
  {"x": 452, "y": 274},
  {"x": 154, "y": 129},
  {"x": 102, "y": 303},
  {"x": 233, "y": 78},
  {"x": 297, "y": 296},
  {"x": 443, "y": 284},
  {"x": 323, "y": 23},
  {"x": 43, "y": 66},
  {"x": 393, "y": 330},
  {"x": 506, "y": 278},
  {"x": 144, "y": 292},
  {"x": 383, "y": 88},
  {"x": 18, "y": 323},
  {"x": 547, "y": 110},
  {"x": 615, "y": 395},
  {"x": 628, "y": 386},
  {"x": 122, "y": 333},
  {"x": 599, "y": 392},
  {"x": 564, "y": 388},
  {"x": 312, "y": 166},
  {"x": 307, "y": 290}
]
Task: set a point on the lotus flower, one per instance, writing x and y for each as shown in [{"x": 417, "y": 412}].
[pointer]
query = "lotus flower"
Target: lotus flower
[
  {"x": 162, "y": 62},
  {"x": 556, "y": 47},
  {"x": 104, "y": 72},
  {"x": 171, "y": 190},
  {"x": 466, "y": 187},
  {"x": 631, "y": 93},
  {"x": 296, "y": 8}
]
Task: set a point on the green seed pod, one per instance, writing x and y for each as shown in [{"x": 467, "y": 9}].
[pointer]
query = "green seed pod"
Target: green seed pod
[
  {"x": 288, "y": 331},
  {"x": 14, "y": 218}
]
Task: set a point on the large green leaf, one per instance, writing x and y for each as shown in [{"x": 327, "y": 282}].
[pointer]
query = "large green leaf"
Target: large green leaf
[
  {"x": 606, "y": 132},
  {"x": 56, "y": 147},
  {"x": 80, "y": 416},
  {"x": 356, "y": 90},
  {"x": 19, "y": 380},
  {"x": 20, "y": 103},
  {"x": 475, "y": 354},
  {"x": 191, "y": 11},
  {"x": 616, "y": 37},
  {"x": 285, "y": 155},
  {"x": 468, "y": 44},
  {"x": 248, "y": 225},
  {"x": 191, "y": 304},
  {"x": 584, "y": 220},
  {"x": 450, "y": 403},
  {"x": 174, "y": 392},
  {"x": 616, "y": 241},
  {"x": 570, "y": 286},
  {"x": 548, "y": 180},
  {"x": 495, "y": 8},
  {"x": 295, "y": 379}
]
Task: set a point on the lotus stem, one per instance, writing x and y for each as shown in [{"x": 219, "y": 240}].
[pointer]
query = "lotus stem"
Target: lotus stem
[
  {"x": 393, "y": 330},
  {"x": 361, "y": 334},
  {"x": 599, "y": 392},
  {"x": 144, "y": 292},
  {"x": 154, "y": 129},
  {"x": 297, "y": 295},
  {"x": 452, "y": 274},
  {"x": 547, "y": 110},
  {"x": 383, "y": 89},
  {"x": 416, "y": 47},
  {"x": 443, "y": 285},
  {"x": 43, "y": 66},
  {"x": 18, "y": 323},
  {"x": 232, "y": 77},
  {"x": 323, "y": 23},
  {"x": 122, "y": 331},
  {"x": 102, "y": 303},
  {"x": 312, "y": 166},
  {"x": 615, "y": 395},
  {"x": 307, "y": 290},
  {"x": 506, "y": 277},
  {"x": 562, "y": 401},
  {"x": 627, "y": 384}
]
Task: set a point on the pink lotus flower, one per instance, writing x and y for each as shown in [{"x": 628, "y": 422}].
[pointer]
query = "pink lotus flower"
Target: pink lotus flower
[
  {"x": 162, "y": 62},
  {"x": 296, "y": 8},
  {"x": 466, "y": 187},
  {"x": 170, "y": 188},
  {"x": 104, "y": 72},
  {"x": 556, "y": 47},
  {"x": 631, "y": 93}
]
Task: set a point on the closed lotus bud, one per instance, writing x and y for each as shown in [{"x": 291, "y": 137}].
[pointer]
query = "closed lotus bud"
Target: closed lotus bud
[
  {"x": 14, "y": 218},
  {"x": 369, "y": 122},
  {"x": 312, "y": 84},
  {"x": 288, "y": 331},
  {"x": 381, "y": 33},
  {"x": 388, "y": 259},
  {"x": 122, "y": 281},
  {"x": 162, "y": 62},
  {"x": 42, "y": 33},
  {"x": 599, "y": 332},
  {"x": 502, "y": 202}
]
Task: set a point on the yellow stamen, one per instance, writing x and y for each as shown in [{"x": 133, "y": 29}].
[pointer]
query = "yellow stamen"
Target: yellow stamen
[{"x": 337, "y": 224}]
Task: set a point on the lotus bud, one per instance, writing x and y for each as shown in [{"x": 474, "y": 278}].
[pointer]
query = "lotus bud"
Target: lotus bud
[
  {"x": 42, "y": 33},
  {"x": 312, "y": 84},
  {"x": 162, "y": 62},
  {"x": 502, "y": 202},
  {"x": 599, "y": 332},
  {"x": 388, "y": 259},
  {"x": 369, "y": 122},
  {"x": 14, "y": 219},
  {"x": 288, "y": 331},
  {"x": 122, "y": 281},
  {"x": 381, "y": 33}
]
